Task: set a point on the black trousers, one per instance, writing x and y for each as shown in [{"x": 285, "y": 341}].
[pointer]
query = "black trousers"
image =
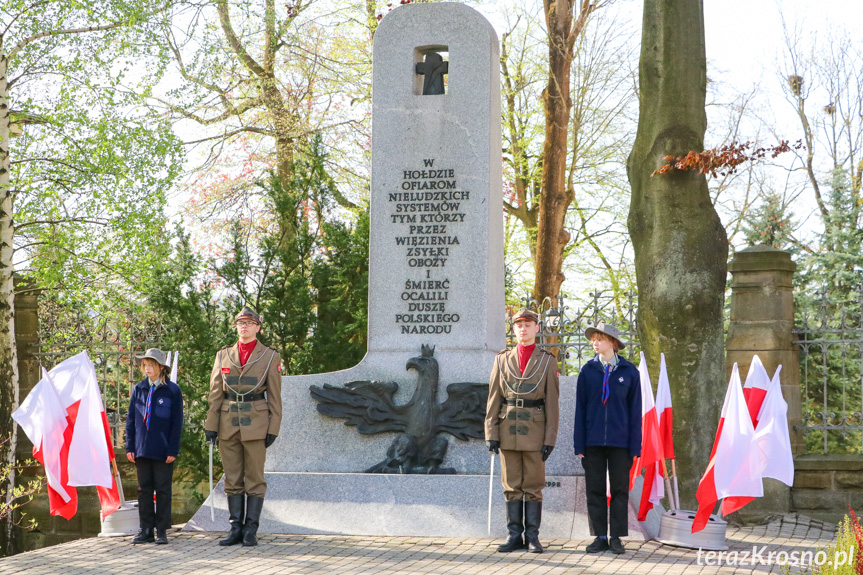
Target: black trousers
[
  {"x": 617, "y": 461},
  {"x": 154, "y": 476}
]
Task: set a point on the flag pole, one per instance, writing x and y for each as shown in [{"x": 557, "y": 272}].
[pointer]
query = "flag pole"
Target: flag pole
[
  {"x": 119, "y": 483},
  {"x": 676, "y": 490},
  {"x": 671, "y": 502}
]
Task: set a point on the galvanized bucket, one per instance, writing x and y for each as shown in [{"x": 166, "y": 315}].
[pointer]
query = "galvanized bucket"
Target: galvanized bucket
[{"x": 122, "y": 522}]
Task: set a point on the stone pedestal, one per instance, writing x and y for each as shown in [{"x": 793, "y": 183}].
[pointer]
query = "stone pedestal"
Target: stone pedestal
[{"x": 762, "y": 318}]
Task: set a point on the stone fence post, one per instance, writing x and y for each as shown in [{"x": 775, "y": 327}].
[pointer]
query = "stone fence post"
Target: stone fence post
[{"x": 762, "y": 318}]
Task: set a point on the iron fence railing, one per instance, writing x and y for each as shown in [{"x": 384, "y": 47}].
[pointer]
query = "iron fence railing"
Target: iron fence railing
[
  {"x": 562, "y": 326},
  {"x": 830, "y": 344},
  {"x": 111, "y": 343}
]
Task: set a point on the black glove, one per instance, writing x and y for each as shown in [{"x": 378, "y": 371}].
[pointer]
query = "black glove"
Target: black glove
[
  {"x": 493, "y": 446},
  {"x": 212, "y": 437},
  {"x": 546, "y": 451},
  {"x": 269, "y": 439}
]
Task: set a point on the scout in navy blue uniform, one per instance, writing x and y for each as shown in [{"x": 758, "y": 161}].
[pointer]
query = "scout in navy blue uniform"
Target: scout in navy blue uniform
[
  {"x": 154, "y": 424},
  {"x": 607, "y": 433}
]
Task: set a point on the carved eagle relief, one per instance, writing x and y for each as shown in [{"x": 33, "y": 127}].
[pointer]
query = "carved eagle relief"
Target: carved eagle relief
[{"x": 370, "y": 407}]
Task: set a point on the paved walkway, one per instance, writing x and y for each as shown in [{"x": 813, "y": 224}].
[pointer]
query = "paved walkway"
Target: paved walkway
[{"x": 190, "y": 552}]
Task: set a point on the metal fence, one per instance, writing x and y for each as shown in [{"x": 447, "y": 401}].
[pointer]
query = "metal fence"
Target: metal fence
[
  {"x": 562, "y": 326},
  {"x": 830, "y": 344},
  {"x": 111, "y": 342}
]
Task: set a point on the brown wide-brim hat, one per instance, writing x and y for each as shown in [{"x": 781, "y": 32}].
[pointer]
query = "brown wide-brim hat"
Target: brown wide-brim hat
[
  {"x": 525, "y": 314},
  {"x": 607, "y": 329},
  {"x": 156, "y": 355},
  {"x": 248, "y": 314}
]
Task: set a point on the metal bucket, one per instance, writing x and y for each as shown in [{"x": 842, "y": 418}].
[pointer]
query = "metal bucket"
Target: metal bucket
[
  {"x": 675, "y": 528},
  {"x": 122, "y": 522}
]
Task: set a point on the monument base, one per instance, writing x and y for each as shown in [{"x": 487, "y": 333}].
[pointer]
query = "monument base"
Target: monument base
[{"x": 403, "y": 505}]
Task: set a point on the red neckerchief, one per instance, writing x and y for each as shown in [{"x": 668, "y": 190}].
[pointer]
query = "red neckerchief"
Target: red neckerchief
[
  {"x": 245, "y": 350},
  {"x": 524, "y": 354}
]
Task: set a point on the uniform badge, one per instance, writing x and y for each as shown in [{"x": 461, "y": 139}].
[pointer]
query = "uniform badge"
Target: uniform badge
[{"x": 226, "y": 370}]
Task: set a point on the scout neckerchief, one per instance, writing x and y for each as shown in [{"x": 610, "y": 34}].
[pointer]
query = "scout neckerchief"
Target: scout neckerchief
[
  {"x": 607, "y": 373},
  {"x": 149, "y": 404},
  {"x": 526, "y": 377},
  {"x": 605, "y": 383},
  {"x": 243, "y": 369}
]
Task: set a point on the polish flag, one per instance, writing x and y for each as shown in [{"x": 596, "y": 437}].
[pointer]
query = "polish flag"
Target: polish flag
[
  {"x": 734, "y": 470},
  {"x": 772, "y": 435},
  {"x": 755, "y": 388},
  {"x": 44, "y": 421},
  {"x": 87, "y": 450},
  {"x": 653, "y": 490},
  {"x": 663, "y": 409}
]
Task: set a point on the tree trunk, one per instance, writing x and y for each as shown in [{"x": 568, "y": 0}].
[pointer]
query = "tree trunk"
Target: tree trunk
[
  {"x": 680, "y": 245},
  {"x": 8, "y": 352},
  {"x": 551, "y": 236}
]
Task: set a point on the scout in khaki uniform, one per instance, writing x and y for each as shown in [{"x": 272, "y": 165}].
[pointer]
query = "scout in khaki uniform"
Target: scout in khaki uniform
[
  {"x": 245, "y": 415},
  {"x": 521, "y": 424}
]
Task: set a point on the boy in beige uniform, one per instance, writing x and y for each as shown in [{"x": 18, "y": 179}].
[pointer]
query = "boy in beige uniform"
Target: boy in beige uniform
[
  {"x": 521, "y": 424},
  {"x": 245, "y": 413}
]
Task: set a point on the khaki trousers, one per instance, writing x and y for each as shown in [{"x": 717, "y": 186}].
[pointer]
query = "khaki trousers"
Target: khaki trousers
[
  {"x": 522, "y": 474},
  {"x": 244, "y": 466}
]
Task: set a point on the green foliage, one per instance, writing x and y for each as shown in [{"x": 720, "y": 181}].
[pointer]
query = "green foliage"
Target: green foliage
[
  {"x": 829, "y": 281},
  {"x": 769, "y": 224},
  {"x": 90, "y": 170},
  {"x": 842, "y": 557}
]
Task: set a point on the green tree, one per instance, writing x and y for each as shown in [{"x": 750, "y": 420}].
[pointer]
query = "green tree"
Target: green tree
[{"x": 81, "y": 187}]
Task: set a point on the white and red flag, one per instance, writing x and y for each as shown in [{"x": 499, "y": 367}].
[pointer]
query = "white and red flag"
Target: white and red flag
[
  {"x": 653, "y": 490},
  {"x": 44, "y": 420},
  {"x": 663, "y": 409},
  {"x": 771, "y": 434},
  {"x": 734, "y": 470},
  {"x": 87, "y": 450},
  {"x": 755, "y": 388}
]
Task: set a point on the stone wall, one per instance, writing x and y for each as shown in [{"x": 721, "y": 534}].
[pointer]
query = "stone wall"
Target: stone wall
[{"x": 825, "y": 485}]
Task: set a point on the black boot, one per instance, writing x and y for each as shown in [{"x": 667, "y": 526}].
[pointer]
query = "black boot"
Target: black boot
[
  {"x": 145, "y": 535},
  {"x": 236, "y": 515},
  {"x": 532, "y": 519},
  {"x": 515, "y": 526},
  {"x": 161, "y": 536},
  {"x": 253, "y": 517}
]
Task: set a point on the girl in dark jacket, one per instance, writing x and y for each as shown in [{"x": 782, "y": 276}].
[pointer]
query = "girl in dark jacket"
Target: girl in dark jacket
[
  {"x": 153, "y": 427},
  {"x": 607, "y": 434}
]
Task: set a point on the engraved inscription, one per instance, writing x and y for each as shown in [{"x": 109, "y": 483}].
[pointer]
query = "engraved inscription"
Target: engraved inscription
[{"x": 427, "y": 212}]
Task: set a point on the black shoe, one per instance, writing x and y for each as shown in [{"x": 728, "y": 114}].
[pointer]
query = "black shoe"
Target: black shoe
[
  {"x": 236, "y": 515},
  {"x": 515, "y": 526},
  {"x": 532, "y": 520},
  {"x": 254, "y": 505},
  {"x": 616, "y": 545},
  {"x": 599, "y": 545},
  {"x": 145, "y": 535},
  {"x": 161, "y": 537}
]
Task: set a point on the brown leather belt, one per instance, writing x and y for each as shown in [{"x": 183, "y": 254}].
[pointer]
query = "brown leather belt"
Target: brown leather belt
[
  {"x": 231, "y": 396},
  {"x": 518, "y": 402}
]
